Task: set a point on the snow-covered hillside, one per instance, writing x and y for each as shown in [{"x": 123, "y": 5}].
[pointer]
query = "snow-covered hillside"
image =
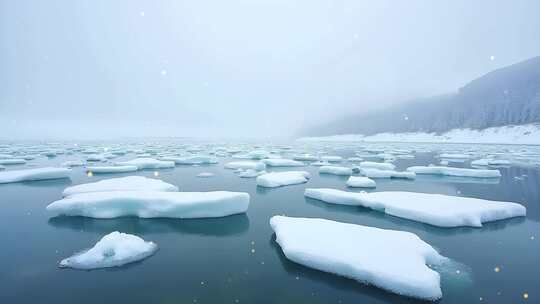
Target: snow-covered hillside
[{"x": 522, "y": 134}]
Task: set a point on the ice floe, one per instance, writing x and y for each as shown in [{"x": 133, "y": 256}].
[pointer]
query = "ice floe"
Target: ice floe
[
  {"x": 377, "y": 173},
  {"x": 335, "y": 170},
  {"x": 395, "y": 261},
  {"x": 12, "y": 161},
  {"x": 376, "y": 165},
  {"x": 450, "y": 171},
  {"x": 361, "y": 182},
  {"x": 205, "y": 174},
  {"x": 152, "y": 204},
  {"x": 282, "y": 162},
  {"x": 257, "y": 166},
  {"x": 435, "y": 209},
  {"x": 278, "y": 179},
  {"x": 128, "y": 183},
  {"x": 73, "y": 163},
  {"x": 192, "y": 160},
  {"x": 147, "y": 163},
  {"x": 14, "y": 176},
  {"x": 114, "y": 249}
]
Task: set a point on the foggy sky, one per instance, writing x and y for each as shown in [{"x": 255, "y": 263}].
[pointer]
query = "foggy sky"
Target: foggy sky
[{"x": 86, "y": 69}]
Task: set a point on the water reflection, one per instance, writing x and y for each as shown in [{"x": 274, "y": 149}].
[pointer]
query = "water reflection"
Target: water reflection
[{"x": 224, "y": 226}]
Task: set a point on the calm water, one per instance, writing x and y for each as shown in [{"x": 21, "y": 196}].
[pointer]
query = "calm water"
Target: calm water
[{"x": 235, "y": 259}]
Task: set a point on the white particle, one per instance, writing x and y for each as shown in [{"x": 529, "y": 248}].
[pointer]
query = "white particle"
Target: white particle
[
  {"x": 163, "y": 72},
  {"x": 491, "y": 57},
  {"x": 142, "y": 14}
]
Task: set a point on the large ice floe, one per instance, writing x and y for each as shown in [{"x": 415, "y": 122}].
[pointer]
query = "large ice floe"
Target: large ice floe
[
  {"x": 376, "y": 165},
  {"x": 245, "y": 165},
  {"x": 111, "y": 169},
  {"x": 114, "y": 249},
  {"x": 282, "y": 162},
  {"x": 278, "y": 179},
  {"x": 434, "y": 209},
  {"x": 378, "y": 173},
  {"x": 12, "y": 161},
  {"x": 395, "y": 261},
  {"x": 128, "y": 183},
  {"x": 147, "y": 163},
  {"x": 361, "y": 182},
  {"x": 193, "y": 160},
  {"x": 152, "y": 204},
  {"x": 450, "y": 171},
  {"x": 14, "y": 176},
  {"x": 335, "y": 170}
]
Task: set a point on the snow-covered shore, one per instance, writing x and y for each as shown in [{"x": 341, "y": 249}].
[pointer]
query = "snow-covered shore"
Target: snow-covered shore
[{"x": 518, "y": 135}]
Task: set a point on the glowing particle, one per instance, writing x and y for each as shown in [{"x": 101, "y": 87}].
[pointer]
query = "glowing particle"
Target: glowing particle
[
  {"x": 252, "y": 250},
  {"x": 481, "y": 299},
  {"x": 491, "y": 57},
  {"x": 202, "y": 282},
  {"x": 525, "y": 296},
  {"x": 458, "y": 272},
  {"x": 497, "y": 269},
  {"x": 163, "y": 72},
  {"x": 156, "y": 173},
  {"x": 89, "y": 174},
  {"x": 141, "y": 14}
]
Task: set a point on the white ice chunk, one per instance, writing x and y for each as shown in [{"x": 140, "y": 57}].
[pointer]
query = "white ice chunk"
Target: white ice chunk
[
  {"x": 73, "y": 163},
  {"x": 450, "y": 171},
  {"x": 257, "y": 166},
  {"x": 14, "y": 176},
  {"x": 205, "y": 174},
  {"x": 306, "y": 157},
  {"x": 361, "y": 182},
  {"x": 193, "y": 160},
  {"x": 112, "y": 169},
  {"x": 128, "y": 183},
  {"x": 12, "y": 161},
  {"x": 392, "y": 260},
  {"x": 376, "y": 165},
  {"x": 282, "y": 162},
  {"x": 278, "y": 179},
  {"x": 147, "y": 163},
  {"x": 114, "y": 249},
  {"x": 249, "y": 173},
  {"x": 435, "y": 209},
  {"x": 376, "y": 173},
  {"x": 152, "y": 204},
  {"x": 336, "y": 170}
]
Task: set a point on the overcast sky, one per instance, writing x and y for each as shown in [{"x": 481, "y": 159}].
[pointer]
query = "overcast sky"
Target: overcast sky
[{"x": 245, "y": 68}]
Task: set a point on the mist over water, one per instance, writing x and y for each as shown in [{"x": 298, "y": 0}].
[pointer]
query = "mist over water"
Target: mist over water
[{"x": 257, "y": 69}]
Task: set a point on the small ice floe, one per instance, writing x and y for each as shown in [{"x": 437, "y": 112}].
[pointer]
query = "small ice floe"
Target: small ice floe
[
  {"x": 444, "y": 163},
  {"x": 450, "y": 171},
  {"x": 395, "y": 261},
  {"x": 376, "y": 165},
  {"x": 73, "y": 163},
  {"x": 434, "y": 209},
  {"x": 147, "y": 163},
  {"x": 114, "y": 249},
  {"x": 282, "y": 162},
  {"x": 278, "y": 179},
  {"x": 336, "y": 170},
  {"x": 14, "y": 176},
  {"x": 485, "y": 162},
  {"x": 249, "y": 173},
  {"x": 152, "y": 204},
  {"x": 306, "y": 157},
  {"x": 205, "y": 174},
  {"x": 332, "y": 158},
  {"x": 128, "y": 183},
  {"x": 361, "y": 182},
  {"x": 193, "y": 160},
  {"x": 354, "y": 159},
  {"x": 377, "y": 173},
  {"x": 257, "y": 166},
  {"x": 12, "y": 161}
]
